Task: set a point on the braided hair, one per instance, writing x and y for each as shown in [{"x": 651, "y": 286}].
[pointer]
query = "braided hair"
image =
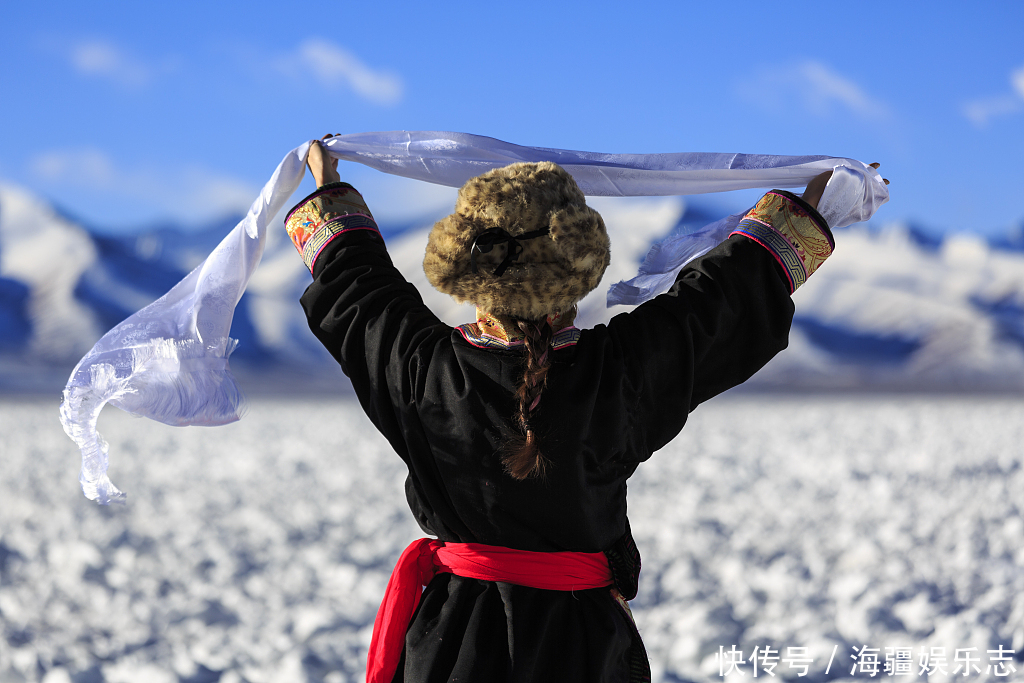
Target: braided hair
[{"x": 523, "y": 457}]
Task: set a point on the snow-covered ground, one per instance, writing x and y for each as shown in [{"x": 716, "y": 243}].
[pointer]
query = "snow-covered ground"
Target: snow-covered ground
[{"x": 258, "y": 551}]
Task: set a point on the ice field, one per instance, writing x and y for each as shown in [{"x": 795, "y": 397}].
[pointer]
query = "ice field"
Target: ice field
[{"x": 259, "y": 551}]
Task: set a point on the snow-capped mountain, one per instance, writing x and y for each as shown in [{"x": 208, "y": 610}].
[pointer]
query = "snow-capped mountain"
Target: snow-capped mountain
[{"x": 893, "y": 308}]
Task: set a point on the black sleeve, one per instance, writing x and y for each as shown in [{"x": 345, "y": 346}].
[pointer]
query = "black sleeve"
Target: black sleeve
[
  {"x": 375, "y": 324},
  {"x": 728, "y": 313}
]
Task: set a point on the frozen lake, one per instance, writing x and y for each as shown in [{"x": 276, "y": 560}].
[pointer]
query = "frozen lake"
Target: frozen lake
[{"x": 259, "y": 551}]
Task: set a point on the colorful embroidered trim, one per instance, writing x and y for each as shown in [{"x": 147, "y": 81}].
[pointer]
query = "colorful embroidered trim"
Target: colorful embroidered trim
[
  {"x": 791, "y": 233},
  {"x": 332, "y": 229},
  {"x": 565, "y": 337},
  {"x": 329, "y": 211},
  {"x": 783, "y": 251}
]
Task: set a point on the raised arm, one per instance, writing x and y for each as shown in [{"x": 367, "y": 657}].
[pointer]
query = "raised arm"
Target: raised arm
[
  {"x": 359, "y": 305},
  {"x": 728, "y": 312}
]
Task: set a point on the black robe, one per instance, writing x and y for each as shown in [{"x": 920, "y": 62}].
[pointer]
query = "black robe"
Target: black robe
[{"x": 614, "y": 397}]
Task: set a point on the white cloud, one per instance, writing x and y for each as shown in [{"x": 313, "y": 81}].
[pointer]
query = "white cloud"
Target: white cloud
[
  {"x": 1017, "y": 78},
  {"x": 84, "y": 166},
  {"x": 981, "y": 111},
  {"x": 332, "y": 65},
  {"x": 813, "y": 86},
  {"x": 102, "y": 59},
  {"x": 214, "y": 194},
  {"x": 188, "y": 193},
  {"x": 825, "y": 87}
]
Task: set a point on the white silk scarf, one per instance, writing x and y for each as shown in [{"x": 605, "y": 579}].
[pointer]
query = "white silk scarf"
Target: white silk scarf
[{"x": 169, "y": 361}]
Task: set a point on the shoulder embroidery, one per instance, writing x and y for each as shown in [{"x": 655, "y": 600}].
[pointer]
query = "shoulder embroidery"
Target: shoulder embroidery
[{"x": 565, "y": 337}]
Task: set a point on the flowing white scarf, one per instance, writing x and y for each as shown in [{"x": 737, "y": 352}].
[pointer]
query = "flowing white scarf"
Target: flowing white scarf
[{"x": 168, "y": 362}]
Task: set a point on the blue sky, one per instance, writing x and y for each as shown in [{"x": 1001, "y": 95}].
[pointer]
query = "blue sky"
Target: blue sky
[{"x": 127, "y": 114}]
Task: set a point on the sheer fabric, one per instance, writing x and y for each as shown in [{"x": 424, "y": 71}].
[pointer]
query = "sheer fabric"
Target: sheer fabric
[{"x": 169, "y": 361}]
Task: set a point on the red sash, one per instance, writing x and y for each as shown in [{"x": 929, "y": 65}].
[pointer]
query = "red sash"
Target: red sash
[{"x": 423, "y": 559}]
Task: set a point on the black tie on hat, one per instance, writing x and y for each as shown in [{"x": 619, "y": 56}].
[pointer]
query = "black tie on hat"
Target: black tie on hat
[{"x": 487, "y": 240}]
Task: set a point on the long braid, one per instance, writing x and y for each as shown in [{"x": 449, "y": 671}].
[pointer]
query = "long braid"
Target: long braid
[{"x": 523, "y": 457}]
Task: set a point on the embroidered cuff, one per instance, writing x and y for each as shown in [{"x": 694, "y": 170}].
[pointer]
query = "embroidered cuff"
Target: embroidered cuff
[
  {"x": 795, "y": 234},
  {"x": 332, "y": 210}
]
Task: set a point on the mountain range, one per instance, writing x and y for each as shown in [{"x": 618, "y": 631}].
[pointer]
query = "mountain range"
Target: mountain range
[{"x": 896, "y": 308}]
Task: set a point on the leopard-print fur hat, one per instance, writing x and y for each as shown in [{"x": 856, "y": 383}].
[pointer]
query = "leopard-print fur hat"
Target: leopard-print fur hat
[{"x": 553, "y": 270}]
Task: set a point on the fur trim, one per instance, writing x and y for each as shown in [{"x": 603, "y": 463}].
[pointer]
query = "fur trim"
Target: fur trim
[{"x": 554, "y": 271}]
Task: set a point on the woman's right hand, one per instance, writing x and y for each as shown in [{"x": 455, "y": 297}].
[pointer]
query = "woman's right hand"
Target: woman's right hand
[
  {"x": 815, "y": 188},
  {"x": 322, "y": 165}
]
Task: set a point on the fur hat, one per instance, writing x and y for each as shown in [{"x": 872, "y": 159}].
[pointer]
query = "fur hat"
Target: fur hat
[{"x": 552, "y": 272}]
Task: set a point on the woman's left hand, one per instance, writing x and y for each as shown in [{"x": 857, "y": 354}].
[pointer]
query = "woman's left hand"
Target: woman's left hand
[{"x": 322, "y": 165}]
